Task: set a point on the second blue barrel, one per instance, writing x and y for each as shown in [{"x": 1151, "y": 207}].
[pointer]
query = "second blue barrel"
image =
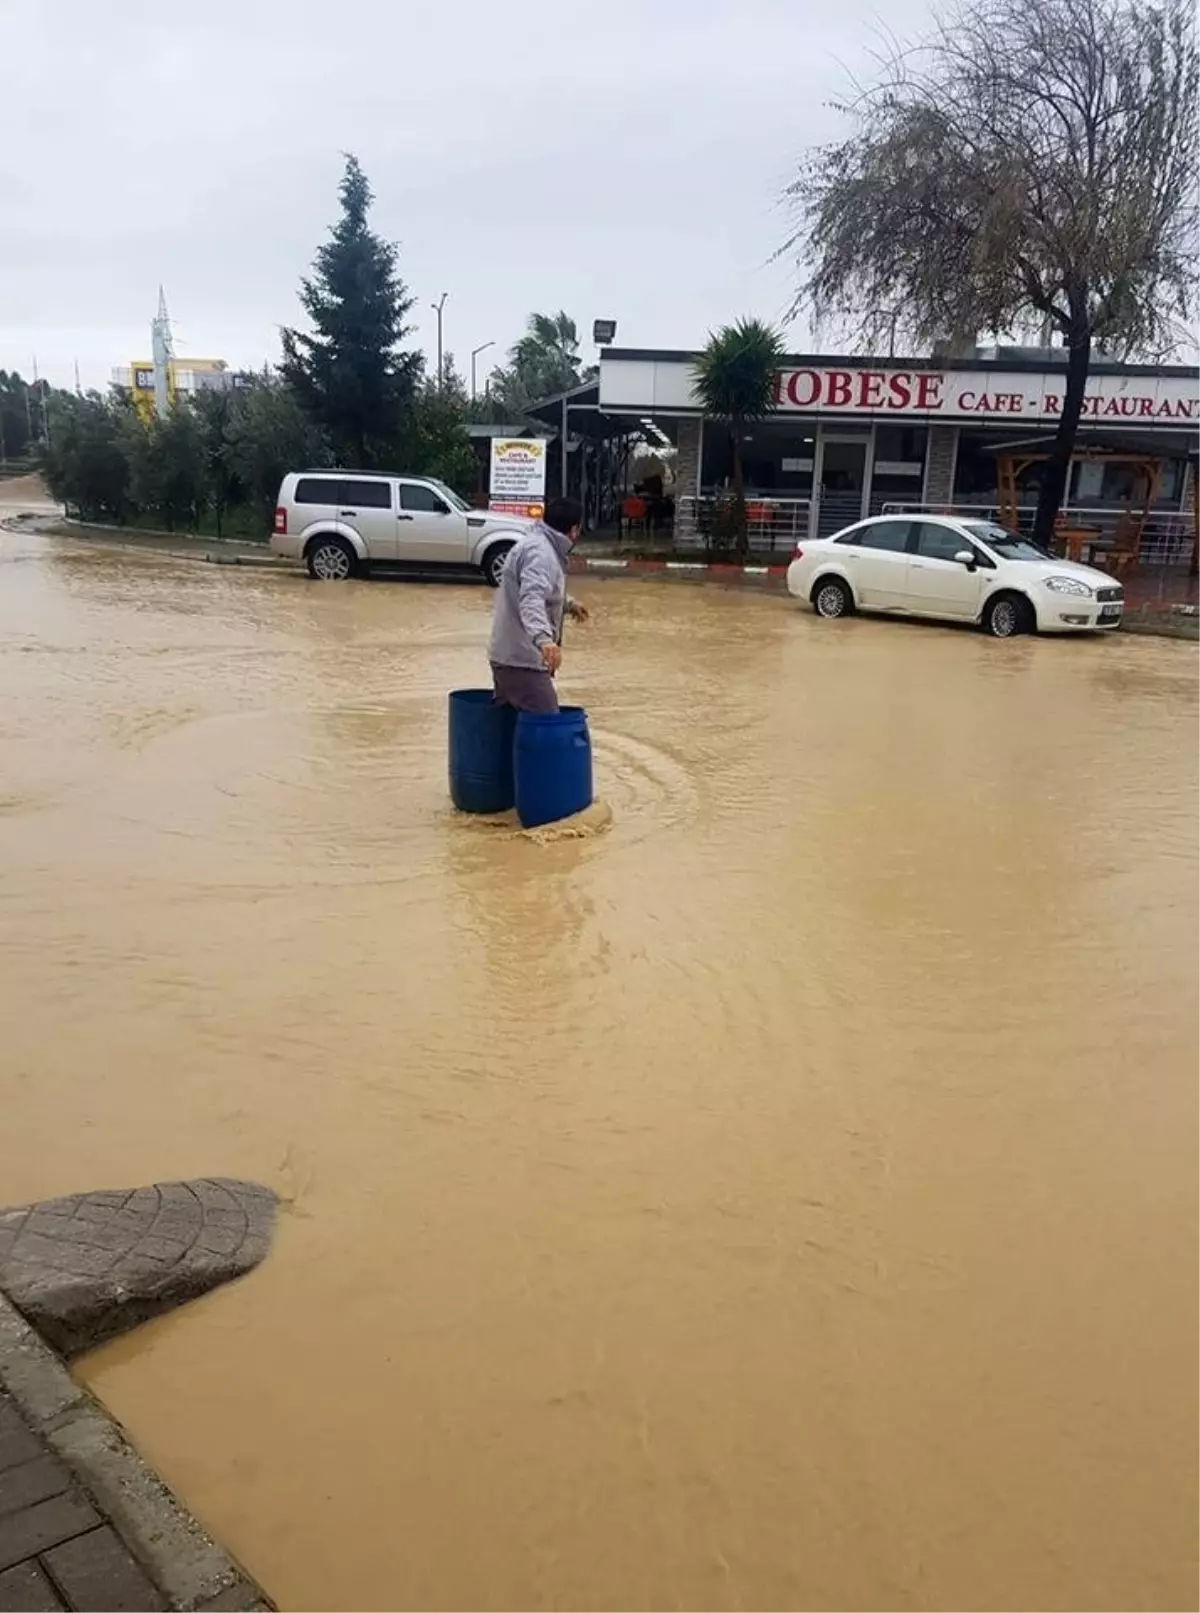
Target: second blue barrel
[
  {"x": 481, "y": 752},
  {"x": 552, "y": 765}
]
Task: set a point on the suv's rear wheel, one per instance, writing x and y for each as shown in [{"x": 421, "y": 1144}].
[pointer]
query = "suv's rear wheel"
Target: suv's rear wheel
[
  {"x": 331, "y": 560},
  {"x": 1007, "y": 615},
  {"x": 493, "y": 563}
]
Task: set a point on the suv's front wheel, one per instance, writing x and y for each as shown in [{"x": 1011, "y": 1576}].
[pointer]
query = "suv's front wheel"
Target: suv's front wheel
[{"x": 331, "y": 560}]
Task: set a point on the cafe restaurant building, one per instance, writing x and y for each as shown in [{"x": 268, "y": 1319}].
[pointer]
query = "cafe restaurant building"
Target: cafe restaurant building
[{"x": 854, "y": 437}]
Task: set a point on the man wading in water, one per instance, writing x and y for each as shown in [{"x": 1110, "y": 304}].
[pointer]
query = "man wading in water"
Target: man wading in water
[{"x": 526, "y": 644}]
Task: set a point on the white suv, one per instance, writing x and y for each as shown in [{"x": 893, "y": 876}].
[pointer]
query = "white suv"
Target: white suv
[
  {"x": 341, "y": 522},
  {"x": 953, "y": 570}
]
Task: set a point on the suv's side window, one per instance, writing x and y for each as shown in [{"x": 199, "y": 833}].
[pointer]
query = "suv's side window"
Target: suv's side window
[
  {"x": 940, "y": 542},
  {"x": 316, "y": 490},
  {"x": 365, "y": 495},
  {"x": 415, "y": 496},
  {"x": 890, "y": 535}
]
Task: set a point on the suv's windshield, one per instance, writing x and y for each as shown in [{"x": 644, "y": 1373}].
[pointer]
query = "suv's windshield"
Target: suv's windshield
[
  {"x": 450, "y": 495},
  {"x": 1004, "y": 543}
]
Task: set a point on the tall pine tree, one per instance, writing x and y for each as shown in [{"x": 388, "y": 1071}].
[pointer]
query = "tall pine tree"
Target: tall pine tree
[{"x": 350, "y": 375}]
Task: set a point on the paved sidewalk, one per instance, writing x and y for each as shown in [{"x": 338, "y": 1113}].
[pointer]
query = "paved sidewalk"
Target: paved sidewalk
[
  {"x": 56, "y": 1550},
  {"x": 84, "y": 1523}
]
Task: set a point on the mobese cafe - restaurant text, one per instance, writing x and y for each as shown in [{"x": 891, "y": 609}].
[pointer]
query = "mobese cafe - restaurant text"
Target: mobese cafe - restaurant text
[{"x": 933, "y": 392}]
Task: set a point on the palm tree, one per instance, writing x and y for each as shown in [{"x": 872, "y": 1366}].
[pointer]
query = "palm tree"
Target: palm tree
[
  {"x": 735, "y": 382},
  {"x": 547, "y": 355}
]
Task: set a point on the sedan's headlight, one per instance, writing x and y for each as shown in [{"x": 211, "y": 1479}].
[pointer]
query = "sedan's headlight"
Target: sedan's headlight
[{"x": 1068, "y": 585}]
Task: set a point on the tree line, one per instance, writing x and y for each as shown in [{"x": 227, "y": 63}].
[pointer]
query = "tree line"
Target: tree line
[{"x": 349, "y": 391}]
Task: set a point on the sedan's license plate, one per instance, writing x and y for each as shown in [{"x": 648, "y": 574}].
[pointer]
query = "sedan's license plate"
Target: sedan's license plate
[{"x": 1109, "y": 611}]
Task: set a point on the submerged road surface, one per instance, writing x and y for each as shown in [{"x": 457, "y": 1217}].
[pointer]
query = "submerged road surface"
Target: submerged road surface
[{"x": 785, "y": 1200}]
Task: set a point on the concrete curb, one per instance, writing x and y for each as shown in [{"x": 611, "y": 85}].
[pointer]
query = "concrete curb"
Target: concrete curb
[
  {"x": 192, "y": 1571},
  {"x": 127, "y": 540},
  {"x": 699, "y": 570}
]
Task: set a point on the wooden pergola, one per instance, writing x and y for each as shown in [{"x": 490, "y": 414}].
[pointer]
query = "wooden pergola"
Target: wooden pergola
[{"x": 1145, "y": 456}]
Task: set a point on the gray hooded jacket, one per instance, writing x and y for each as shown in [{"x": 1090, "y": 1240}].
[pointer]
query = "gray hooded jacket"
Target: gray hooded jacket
[{"x": 531, "y": 599}]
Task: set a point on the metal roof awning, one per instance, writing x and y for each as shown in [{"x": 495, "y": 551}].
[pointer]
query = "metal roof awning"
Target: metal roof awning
[{"x": 580, "y": 408}]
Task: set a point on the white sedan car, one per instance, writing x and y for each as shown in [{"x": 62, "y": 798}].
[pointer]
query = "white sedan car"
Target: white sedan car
[{"x": 952, "y": 570}]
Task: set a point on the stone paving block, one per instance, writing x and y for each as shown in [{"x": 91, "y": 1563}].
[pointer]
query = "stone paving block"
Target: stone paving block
[
  {"x": 239, "y": 1598},
  {"x": 157, "y": 1248},
  {"x": 17, "y": 1443},
  {"x": 35, "y": 1529},
  {"x": 97, "y": 1571},
  {"x": 101, "y": 1235},
  {"x": 52, "y": 1223},
  {"x": 119, "y": 1258},
  {"x": 35, "y": 1381},
  {"x": 32, "y": 1481},
  {"x": 25, "y": 1589}
]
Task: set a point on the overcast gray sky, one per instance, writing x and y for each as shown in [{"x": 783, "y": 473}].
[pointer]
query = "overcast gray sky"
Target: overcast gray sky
[{"x": 619, "y": 159}]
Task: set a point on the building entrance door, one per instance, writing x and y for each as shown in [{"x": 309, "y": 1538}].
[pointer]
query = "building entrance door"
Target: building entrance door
[{"x": 840, "y": 482}]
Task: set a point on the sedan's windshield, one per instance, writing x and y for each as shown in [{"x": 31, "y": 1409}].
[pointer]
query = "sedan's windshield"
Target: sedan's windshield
[
  {"x": 450, "y": 496},
  {"x": 1004, "y": 543}
]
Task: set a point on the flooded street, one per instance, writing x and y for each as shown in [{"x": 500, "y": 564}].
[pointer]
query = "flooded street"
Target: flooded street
[{"x": 784, "y": 1200}]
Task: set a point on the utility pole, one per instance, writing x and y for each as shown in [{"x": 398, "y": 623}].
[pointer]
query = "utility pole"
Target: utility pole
[
  {"x": 437, "y": 308},
  {"x": 475, "y": 352}
]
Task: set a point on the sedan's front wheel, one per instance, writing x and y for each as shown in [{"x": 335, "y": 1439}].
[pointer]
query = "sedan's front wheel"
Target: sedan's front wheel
[
  {"x": 831, "y": 598},
  {"x": 1007, "y": 615}
]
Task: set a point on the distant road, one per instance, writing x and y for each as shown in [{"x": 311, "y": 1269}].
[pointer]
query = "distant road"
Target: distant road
[{"x": 26, "y": 493}]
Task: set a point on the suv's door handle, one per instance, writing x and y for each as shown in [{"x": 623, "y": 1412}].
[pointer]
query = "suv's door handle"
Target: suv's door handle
[
  {"x": 347, "y": 512},
  {"x": 403, "y": 517}
]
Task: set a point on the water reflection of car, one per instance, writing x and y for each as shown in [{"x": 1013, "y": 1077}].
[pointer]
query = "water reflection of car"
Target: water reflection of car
[
  {"x": 952, "y": 570},
  {"x": 343, "y": 522}
]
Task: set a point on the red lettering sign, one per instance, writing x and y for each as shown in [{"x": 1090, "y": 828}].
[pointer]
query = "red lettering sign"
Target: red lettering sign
[
  {"x": 870, "y": 389},
  {"x": 837, "y": 388},
  {"x": 812, "y": 388},
  {"x": 899, "y": 390},
  {"x": 929, "y": 392}
]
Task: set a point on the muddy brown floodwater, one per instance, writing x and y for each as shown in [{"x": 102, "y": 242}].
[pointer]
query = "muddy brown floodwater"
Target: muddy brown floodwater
[{"x": 785, "y": 1200}]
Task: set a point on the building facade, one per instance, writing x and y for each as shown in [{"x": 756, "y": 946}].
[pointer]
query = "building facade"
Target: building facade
[
  {"x": 184, "y": 378},
  {"x": 853, "y": 437}
]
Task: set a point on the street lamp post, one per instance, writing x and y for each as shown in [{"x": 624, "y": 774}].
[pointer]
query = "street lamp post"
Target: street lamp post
[
  {"x": 475, "y": 352},
  {"x": 437, "y": 308}
]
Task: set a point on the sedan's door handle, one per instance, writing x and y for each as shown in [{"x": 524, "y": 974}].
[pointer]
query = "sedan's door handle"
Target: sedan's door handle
[
  {"x": 403, "y": 517},
  {"x": 347, "y": 512}
]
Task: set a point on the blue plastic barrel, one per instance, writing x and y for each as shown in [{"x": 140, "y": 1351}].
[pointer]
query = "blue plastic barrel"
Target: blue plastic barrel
[
  {"x": 552, "y": 765},
  {"x": 481, "y": 752}
]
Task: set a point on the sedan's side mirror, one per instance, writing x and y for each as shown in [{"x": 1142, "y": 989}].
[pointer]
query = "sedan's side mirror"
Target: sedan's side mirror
[{"x": 966, "y": 557}]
